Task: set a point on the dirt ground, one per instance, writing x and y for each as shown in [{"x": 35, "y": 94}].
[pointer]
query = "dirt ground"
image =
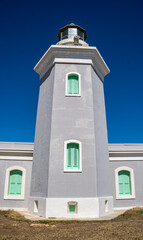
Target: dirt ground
[{"x": 129, "y": 225}]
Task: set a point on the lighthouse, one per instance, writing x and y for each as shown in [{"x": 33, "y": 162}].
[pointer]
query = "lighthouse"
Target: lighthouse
[{"x": 70, "y": 173}]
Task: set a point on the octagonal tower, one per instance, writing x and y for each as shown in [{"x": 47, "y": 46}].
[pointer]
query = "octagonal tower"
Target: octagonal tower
[{"x": 70, "y": 173}]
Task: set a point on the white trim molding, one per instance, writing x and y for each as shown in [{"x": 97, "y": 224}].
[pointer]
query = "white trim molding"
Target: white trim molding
[
  {"x": 125, "y": 152},
  {"x": 128, "y": 158},
  {"x": 80, "y": 156},
  {"x": 63, "y": 52},
  {"x": 8, "y": 170},
  {"x": 14, "y": 155},
  {"x": 16, "y": 151},
  {"x": 66, "y": 85},
  {"x": 117, "y": 170}
]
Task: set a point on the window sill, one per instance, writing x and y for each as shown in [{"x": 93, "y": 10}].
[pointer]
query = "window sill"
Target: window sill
[
  {"x": 125, "y": 197},
  {"x": 13, "y": 197},
  {"x": 73, "y": 170},
  {"x": 73, "y": 95}
]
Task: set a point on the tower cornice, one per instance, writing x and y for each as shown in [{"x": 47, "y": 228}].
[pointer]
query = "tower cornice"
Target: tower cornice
[{"x": 72, "y": 54}]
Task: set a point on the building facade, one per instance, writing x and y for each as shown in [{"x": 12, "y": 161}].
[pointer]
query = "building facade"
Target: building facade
[{"x": 72, "y": 172}]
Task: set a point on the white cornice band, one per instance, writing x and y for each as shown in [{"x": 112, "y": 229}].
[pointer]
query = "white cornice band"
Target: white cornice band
[
  {"x": 119, "y": 159},
  {"x": 72, "y": 54},
  {"x": 16, "y": 155},
  {"x": 16, "y": 158}
]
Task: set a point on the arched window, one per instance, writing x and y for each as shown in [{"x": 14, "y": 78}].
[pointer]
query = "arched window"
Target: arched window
[
  {"x": 15, "y": 183},
  {"x": 125, "y": 187},
  {"x": 124, "y": 181},
  {"x": 73, "y": 84},
  {"x": 72, "y": 155}
]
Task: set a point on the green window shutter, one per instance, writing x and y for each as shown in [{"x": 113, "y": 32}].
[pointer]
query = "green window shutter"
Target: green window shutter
[
  {"x": 76, "y": 85},
  {"x": 69, "y": 157},
  {"x": 15, "y": 182},
  {"x": 73, "y": 84},
  {"x": 120, "y": 179},
  {"x": 70, "y": 91},
  {"x": 72, "y": 208},
  {"x": 76, "y": 156},
  {"x": 124, "y": 182},
  {"x": 127, "y": 181},
  {"x": 72, "y": 160}
]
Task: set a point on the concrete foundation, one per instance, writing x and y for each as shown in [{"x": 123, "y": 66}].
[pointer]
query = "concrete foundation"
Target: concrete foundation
[{"x": 59, "y": 207}]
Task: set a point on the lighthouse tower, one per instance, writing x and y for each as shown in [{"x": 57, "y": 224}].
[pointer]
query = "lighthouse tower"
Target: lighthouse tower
[{"x": 70, "y": 173}]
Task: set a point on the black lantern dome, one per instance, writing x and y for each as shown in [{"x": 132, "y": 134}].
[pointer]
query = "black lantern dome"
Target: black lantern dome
[{"x": 70, "y": 31}]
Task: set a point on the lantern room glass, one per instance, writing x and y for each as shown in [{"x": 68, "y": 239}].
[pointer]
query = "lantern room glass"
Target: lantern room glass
[{"x": 71, "y": 33}]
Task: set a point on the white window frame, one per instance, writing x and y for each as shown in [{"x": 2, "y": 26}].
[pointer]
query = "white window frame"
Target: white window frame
[
  {"x": 65, "y": 156},
  {"x": 117, "y": 170},
  {"x": 76, "y": 207},
  {"x": 8, "y": 170},
  {"x": 66, "y": 87}
]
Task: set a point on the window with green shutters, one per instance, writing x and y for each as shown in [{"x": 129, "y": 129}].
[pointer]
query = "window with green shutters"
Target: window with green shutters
[
  {"x": 124, "y": 181},
  {"x": 72, "y": 161},
  {"x": 73, "y": 84},
  {"x": 15, "y": 182},
  {"x": 72, "y": 156},
  {"x": 72, "y": 208}
]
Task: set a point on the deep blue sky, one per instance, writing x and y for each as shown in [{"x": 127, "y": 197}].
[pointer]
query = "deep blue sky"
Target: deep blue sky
[{"x": 28, "y": 28}]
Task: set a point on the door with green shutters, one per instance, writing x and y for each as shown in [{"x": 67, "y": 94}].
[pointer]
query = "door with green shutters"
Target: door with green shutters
[
  {"x": 73, "y": 84},
  {"x": 72, "y": 156},
  {"x": 124, "y": 182},
  {"x": 15, "y": 183}
]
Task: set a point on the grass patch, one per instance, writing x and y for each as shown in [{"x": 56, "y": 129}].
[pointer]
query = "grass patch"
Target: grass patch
[
  {"x": 13, "y": 215},
  {"x": 131, "y": 214},
  {"x": 129, "y": 225}
]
